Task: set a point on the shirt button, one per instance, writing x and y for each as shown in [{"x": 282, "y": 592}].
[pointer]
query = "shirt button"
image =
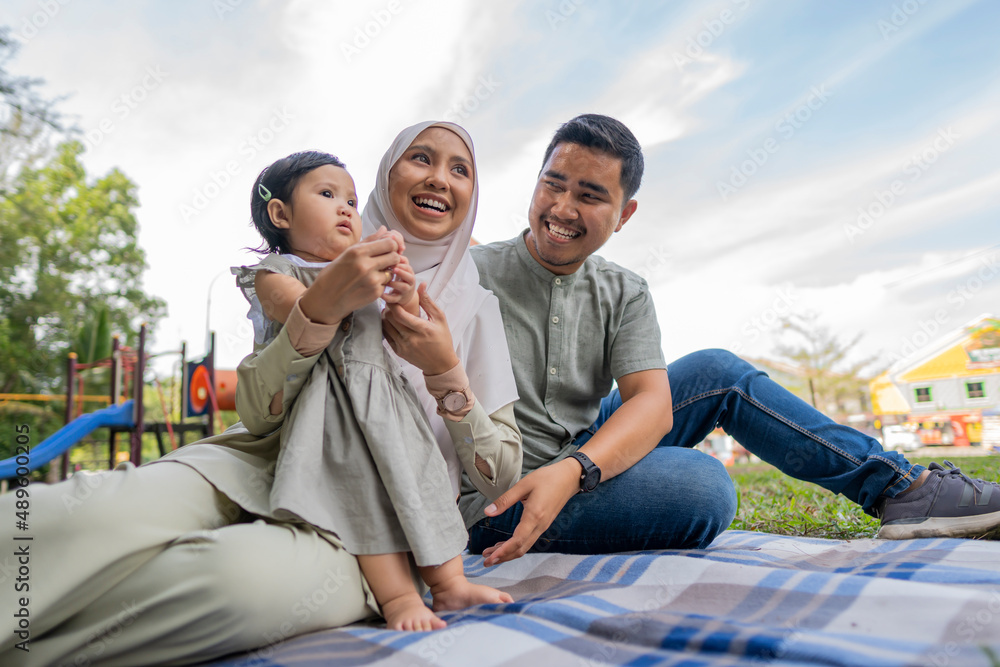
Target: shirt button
[
  {"x": 345, "y": 326},
  {"x": 558, "y": 281},
  {"x": 291, "y": 378},
  {"x": 340, "y": 370},
  {"x": 552, "y": 371},
  {"x": 555, "y": 320}
]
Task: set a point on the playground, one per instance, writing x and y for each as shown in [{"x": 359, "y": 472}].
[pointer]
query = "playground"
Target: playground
[{"x": 137, "y": 402}]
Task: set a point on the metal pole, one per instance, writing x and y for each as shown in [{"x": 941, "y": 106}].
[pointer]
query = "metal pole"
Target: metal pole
[
  {"x": 211, "y": 383},
  {"x": 70, "y": 395},
  {"x": 184, "y": 390},
  {"x": 116, "y": 371},
  {"x": 138, "y": 427}
]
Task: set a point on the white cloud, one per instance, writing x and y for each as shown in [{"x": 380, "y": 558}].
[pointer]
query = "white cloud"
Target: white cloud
[{"x": 351, "y": 74}]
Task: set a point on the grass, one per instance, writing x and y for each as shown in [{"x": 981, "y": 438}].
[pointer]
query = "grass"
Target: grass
[{"x": 772, "y": 502}]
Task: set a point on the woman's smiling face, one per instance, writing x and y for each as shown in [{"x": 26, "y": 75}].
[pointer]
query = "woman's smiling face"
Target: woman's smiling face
[{"x": 430, "y": 186}]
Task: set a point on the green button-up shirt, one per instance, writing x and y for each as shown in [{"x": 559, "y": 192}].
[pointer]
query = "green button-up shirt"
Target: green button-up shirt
[{"x": 570, "y": 338}]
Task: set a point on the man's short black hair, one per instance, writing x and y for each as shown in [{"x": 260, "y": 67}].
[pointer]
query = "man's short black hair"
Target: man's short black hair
[{"x": 606, "y": 134}]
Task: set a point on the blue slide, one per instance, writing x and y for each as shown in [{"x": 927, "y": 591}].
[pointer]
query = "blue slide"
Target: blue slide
[{"x": 60, "y": 441}]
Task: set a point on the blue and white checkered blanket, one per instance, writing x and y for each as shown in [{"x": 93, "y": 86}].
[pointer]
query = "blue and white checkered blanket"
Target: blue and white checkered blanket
[{"x": 748, "y": 599}]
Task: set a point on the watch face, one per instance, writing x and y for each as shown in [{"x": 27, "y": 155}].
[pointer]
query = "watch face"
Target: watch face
[
  {"x": 591, "y": 473},
  {"x": 454, "y": 401}
]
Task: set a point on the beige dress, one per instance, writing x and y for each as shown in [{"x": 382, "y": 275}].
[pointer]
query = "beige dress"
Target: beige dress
[{"x": 357, "y": 456}]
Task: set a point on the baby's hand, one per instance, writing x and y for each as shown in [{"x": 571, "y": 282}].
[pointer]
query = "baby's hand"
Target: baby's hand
[
  {"x": 402, "y": 288},
  {"x": 384, "y": 232}
]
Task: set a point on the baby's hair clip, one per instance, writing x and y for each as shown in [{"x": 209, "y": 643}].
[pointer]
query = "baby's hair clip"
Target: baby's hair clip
[{"x": 264, "y": 193}]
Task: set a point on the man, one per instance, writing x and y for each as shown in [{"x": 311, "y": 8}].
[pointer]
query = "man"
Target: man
[{"x": 616, "y": 472}]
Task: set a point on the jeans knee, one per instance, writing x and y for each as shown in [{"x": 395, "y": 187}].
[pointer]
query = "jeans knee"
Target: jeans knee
[
  {"x": 729, "y": 500},
  {"x": 723, "y": 366},
  {"x": 721, "y": 499}
]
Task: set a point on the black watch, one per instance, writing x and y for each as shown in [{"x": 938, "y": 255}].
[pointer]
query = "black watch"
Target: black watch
[{"x": 591, "y": 475}]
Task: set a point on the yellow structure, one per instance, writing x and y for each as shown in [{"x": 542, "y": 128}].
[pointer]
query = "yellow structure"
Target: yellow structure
[{"x": 944, "y": 388}]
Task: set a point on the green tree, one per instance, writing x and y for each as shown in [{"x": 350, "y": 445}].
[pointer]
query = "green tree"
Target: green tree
[
  {"x": 93, "y": 339},
  {"x": 69, "y": 253},
  {"x": 70, "y": 266},
  {"x": 830, "y": 377},
  {"x": 27, "y": 120},
  {"x": 69, "y": 250}
]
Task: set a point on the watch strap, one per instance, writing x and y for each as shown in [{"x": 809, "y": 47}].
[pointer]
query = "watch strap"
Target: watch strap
[
  {"x": 451, "y": 381},
  {"x": 590, "y": 472}
]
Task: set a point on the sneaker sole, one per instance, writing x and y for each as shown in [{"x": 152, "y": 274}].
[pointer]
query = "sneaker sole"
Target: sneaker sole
[{"x": 962, "y": 526}]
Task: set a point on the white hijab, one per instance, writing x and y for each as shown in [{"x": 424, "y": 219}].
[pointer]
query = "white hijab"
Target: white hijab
[{"x": 453, "y": 283}]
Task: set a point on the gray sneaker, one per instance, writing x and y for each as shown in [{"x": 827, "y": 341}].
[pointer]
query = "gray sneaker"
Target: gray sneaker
[{"x": 948, "y": 504}]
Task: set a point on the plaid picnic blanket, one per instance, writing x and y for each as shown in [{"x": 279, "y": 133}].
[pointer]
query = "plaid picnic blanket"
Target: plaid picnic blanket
[{"x": 748, "y": 599}]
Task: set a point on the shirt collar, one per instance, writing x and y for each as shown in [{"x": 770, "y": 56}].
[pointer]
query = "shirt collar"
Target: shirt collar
[{"x": 521, "y": 244}]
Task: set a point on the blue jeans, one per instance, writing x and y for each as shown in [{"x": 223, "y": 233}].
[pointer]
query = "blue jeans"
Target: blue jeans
[{"x": 677, "y": 497}]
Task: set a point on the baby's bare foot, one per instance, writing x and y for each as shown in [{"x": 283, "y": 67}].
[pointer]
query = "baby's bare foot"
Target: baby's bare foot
[
  {"x": 460, "y": 593},
  {"x": 408, "y": 612}
]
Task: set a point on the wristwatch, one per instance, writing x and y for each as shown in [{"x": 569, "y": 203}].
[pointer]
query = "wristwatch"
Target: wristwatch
[
  {"x": 453, "y": 401},
  {"x": 591, "y": 475}
]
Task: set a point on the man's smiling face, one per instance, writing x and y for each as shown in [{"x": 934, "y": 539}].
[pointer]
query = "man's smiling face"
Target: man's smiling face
[{"x": 576, "y": 207}]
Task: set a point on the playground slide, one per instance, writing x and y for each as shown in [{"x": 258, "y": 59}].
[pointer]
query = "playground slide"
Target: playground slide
[{"x": 60, "y": 441}]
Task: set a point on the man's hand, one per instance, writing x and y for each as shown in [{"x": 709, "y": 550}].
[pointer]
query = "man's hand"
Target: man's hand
[
  {"x": 424, "y": 343},
  {"x": 543, "y": 493}
]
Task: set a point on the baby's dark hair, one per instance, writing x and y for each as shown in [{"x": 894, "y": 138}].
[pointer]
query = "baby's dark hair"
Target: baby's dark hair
[{"x": 278, "y": 181}]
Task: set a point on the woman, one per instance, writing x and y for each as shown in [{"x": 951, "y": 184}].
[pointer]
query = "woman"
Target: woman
[{"x": 185, "y": 580}]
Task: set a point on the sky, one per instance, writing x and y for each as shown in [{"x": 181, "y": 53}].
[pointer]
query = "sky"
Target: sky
[{"x": 831, "y": 158}]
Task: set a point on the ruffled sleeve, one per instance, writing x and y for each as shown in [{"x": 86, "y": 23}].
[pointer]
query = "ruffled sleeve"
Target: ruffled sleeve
[{"x": 264, "y": 329}]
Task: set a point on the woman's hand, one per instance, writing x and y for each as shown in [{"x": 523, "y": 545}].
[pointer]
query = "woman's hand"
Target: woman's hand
[
  {"x": 425, "y": 343},
  {"x": 354, "y": 279}
]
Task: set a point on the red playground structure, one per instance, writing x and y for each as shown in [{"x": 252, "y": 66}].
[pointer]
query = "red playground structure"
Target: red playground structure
[{"x": 205, "y": 392}]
